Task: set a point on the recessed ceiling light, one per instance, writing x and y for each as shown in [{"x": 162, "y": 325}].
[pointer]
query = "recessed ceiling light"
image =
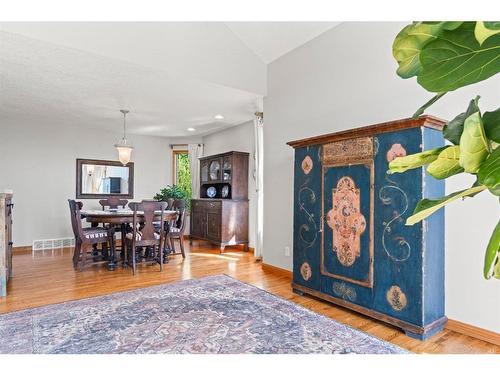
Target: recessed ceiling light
[
  {"x": 191, "y": 129},
  {"x": 219, "y": 117}
]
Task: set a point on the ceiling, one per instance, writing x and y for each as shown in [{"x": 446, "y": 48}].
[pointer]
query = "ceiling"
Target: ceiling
[
  {"x": 171, "y": 76},
  {"x": 47, "y": 83},
  {"x": 270, "y": 40}
]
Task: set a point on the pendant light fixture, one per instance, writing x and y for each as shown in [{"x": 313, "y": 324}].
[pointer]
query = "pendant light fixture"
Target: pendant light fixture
[{"x": 124, "y": 148}]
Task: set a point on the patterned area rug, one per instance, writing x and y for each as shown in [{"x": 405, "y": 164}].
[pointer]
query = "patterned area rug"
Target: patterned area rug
[{"x": 215, "y": 314}]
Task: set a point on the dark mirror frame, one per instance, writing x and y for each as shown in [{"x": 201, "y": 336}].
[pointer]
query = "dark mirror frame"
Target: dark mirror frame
[{"x": 80, "y": 195}]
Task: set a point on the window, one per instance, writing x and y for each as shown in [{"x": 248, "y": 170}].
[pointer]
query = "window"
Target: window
[{"x": 182, "y": 174}]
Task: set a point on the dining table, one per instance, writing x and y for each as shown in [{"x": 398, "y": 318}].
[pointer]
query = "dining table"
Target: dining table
[{"x": 122, "y": 218}]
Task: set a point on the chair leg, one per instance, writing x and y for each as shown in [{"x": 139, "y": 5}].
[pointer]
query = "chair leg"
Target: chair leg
[
  {"x": 160, "y": 256},
  {"x": 181, "y": 242},
  {"x": 166, "y": 244},
  {"x": 126, "y": 253},
  {"x": 83, "y": 258},
  {"x": 104, "y": 251},
  {"x": 133, "y": 260},
  {"x": 95, "y": 252},
  {"x": 76, "y": 254},
  {"x": 172, "y": 244}
]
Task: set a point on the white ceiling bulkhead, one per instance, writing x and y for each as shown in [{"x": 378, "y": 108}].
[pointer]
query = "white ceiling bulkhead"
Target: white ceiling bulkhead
[{"x": 171, "y": 75}]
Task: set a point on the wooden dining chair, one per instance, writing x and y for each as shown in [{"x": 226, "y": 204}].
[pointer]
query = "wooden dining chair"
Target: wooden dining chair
[
  {"x": 144, "y": 234},
  {"x": 113, "y": 203},
  {"x": 177, "y": 227},
  {"x": 86, "y": 238}
]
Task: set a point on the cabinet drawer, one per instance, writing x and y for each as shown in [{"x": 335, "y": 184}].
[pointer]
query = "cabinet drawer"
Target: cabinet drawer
[
  {"x": 197, "y": 205},
  {"x": 200, "y": 205},
  {"x": 213, "y": 206}
]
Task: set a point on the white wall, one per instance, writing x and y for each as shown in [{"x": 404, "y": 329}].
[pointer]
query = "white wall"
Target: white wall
[
  {"x": 38, "y": 162},
  {"x": 238, "y": 138},
  {"x": 343, "y": 79}
]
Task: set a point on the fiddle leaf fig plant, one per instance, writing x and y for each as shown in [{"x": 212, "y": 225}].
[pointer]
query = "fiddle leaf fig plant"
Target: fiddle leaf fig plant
[{"x": 445, "y": 56}]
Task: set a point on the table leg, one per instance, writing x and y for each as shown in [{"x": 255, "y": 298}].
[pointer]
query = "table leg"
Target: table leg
[
  {"x": 95, "y": 251},
  {"x": 124, "y": 254},
  {"x": 112, "y": 253}
]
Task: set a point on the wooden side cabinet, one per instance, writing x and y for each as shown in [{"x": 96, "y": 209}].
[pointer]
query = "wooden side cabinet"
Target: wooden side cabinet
[
  {"x": 220, "y": 221},
  {"x": 6, "y": 243},
  {"x": 220, "y": 215}
]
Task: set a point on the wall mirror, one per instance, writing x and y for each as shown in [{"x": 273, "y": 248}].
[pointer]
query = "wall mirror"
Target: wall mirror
[{"x": 96, "y": 179}]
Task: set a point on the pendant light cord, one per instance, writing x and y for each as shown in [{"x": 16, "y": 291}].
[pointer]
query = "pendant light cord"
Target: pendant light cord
[
  {"x": 124, "y": 124},
  {"x": 124, "y": 111}
]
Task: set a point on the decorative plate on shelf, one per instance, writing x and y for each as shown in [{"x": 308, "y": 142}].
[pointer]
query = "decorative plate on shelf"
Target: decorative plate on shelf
[
  {"x": 211, "y": 192},
  {"x": 225, "y": 191},
  {"x": 214, "y": 170}
]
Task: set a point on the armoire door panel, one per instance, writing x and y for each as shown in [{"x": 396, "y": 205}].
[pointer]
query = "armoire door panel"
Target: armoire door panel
[
  {"x": 398, "y": 247},
  {"x": 307, "y": 216},
  {"x": 347, "y": 243}
]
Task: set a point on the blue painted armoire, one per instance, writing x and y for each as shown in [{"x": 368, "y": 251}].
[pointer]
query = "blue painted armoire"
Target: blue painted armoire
[{"x": 351, "y": 245}]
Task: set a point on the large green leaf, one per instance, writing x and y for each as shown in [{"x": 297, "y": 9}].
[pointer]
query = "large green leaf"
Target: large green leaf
[
  {"x": 447, "y": 25},
  {"x": 447, "y": 164},
  {"x": 484, "y": 30},
  {"x": 492, "y": 253},
  {"x": 404, "y": 163},
  {"x": 408, "y": 44},
  {"x": 455, "y": 59},
  {"x": 453, "y": 129},
  {"x": 427, "y": 207},
  {"x": 489, "y": 172},
  {"x": 474, "y": 146},
  {"x": 491, "y": 122},
  {"x": 493, "y": 25}
]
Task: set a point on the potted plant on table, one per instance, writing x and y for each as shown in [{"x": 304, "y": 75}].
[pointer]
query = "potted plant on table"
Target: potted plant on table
[
  {"x": 170, "y": 193},
  {"x": 445, "y": 56}
]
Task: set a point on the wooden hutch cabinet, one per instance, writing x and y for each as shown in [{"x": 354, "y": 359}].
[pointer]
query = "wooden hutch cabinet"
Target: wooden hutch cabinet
[
  {"x": 5, "y": 240},
  {"x": 220, "y": 215},
  {"x": 351, "y": 245}
]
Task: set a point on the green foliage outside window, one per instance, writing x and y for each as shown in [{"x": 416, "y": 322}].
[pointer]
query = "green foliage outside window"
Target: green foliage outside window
[{"x": 184, "y": 174}]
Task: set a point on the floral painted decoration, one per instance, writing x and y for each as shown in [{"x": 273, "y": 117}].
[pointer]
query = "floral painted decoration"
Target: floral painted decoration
[
  {"x": 346, "y": 221},
  {"x": 307, "y": 164},
  {"x": 396, "y": 298},
  {"x": 395, "y": 151},
  {"x": 305, "y": 271}
]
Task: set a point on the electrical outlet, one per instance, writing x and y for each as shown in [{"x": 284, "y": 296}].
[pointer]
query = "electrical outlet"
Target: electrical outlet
[{"x": 287, "y": 251}]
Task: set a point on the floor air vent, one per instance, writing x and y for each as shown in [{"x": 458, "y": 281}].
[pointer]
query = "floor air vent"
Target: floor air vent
[{"x": 56, "y": 243}]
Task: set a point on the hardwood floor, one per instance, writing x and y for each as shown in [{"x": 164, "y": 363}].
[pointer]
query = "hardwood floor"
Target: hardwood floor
[{"x": 48, "y": 277}]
